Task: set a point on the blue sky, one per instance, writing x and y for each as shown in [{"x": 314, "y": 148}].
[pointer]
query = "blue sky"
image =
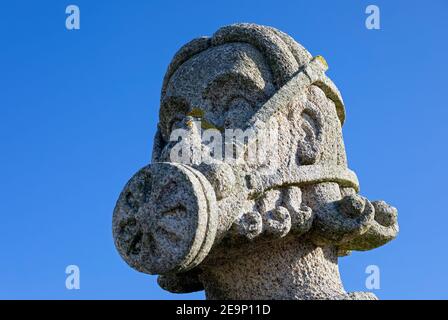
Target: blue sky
[{"x": 78, "y": 110}]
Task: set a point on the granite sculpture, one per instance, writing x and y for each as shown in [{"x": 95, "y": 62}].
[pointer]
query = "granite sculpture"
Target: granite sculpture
[{"x": 248, "y": 195}]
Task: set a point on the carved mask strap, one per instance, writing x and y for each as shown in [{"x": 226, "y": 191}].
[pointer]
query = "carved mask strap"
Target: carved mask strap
[
  {"x": 303, "y": 175},
  {"x": 312, "y": 73}
]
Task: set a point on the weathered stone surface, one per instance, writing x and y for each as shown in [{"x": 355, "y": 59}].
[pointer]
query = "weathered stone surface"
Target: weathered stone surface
[{"x": 264, "y": 215}]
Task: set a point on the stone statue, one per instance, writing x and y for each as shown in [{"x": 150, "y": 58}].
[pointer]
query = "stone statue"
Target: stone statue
[{"x": 270, "y": 218}]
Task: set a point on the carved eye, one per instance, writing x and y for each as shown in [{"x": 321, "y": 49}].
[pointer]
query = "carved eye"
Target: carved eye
[
  {"x": 174, "y": 123},
  {"x": 237, "y": 110},
  {"x": 172, "y": 110},
  {"x": 232, "y": 99},
  {"x": 239, "y": 103}
]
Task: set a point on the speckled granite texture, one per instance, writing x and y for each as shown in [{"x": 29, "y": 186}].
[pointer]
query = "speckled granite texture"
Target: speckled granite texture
[{"x": 269, "y": 226}]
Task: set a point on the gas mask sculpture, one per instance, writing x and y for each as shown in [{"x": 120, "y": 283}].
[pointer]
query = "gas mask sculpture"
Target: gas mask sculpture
[{"x": 239, "y": 228}]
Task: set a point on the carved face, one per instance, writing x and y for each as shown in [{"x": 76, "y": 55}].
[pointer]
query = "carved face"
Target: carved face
[{"x": 228, "y": 84}]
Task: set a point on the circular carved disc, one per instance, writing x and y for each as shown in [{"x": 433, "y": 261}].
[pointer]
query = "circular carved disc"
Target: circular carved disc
[{"x": 165, "y": 219}]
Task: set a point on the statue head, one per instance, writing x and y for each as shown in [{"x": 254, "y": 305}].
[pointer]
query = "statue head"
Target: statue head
[{"x": 249, "y": 149}]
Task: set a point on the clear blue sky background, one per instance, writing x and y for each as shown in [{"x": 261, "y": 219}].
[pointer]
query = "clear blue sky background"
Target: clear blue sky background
[{"x": 78, "y": 110}]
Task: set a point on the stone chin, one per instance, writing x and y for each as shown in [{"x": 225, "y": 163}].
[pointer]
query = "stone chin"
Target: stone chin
[{"x": 241, "y": 230}]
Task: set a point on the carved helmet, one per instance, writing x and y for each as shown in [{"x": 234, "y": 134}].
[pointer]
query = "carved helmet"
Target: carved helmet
[{"x": 284, "y": 56}]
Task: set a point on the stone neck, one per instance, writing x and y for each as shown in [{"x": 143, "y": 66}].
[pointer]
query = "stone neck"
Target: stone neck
[{"x": 293, "y": 269}]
